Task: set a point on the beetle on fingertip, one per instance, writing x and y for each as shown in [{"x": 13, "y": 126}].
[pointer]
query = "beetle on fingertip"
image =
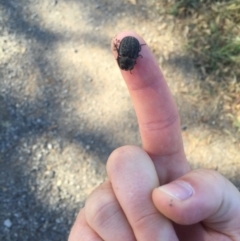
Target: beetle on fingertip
[{"x": 128, "y": 51}]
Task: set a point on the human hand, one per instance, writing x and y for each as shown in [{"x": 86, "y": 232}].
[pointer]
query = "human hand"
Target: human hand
[{"x": 151, "y": 193}]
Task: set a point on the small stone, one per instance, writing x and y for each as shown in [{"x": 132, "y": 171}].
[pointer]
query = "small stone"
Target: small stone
[
  {"x": 134, "y": 2},
  {"x": 160, "y": 60},
  {"x": 17, "y": 215},
  {"x": 51, "y": 174},
  {"x": 49, "y": 146},
  {"x": 184, "y": 127},
  {"x": 7, "y": 223}
]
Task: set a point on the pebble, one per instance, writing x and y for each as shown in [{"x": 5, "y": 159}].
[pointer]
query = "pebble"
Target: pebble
[
  {"x": 49, "y": 146},
  {"x": 59, "y": 183},
  {"x": 7, "y": 223}
]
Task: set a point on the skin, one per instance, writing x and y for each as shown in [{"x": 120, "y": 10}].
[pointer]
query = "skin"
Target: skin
[{"x": 151, "y": 193}]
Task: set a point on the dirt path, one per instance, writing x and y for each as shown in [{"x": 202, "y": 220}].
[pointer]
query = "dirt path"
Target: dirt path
[{"x": 64, "y": 107}]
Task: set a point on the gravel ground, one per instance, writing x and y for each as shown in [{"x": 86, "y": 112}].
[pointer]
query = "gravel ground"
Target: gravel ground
[{"x": 64, "y": 107}]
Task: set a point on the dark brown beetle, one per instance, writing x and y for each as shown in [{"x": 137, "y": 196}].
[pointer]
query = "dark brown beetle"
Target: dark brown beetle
[{"x": 128, "y": 51}]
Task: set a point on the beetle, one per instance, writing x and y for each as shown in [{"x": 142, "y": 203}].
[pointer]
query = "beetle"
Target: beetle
[{"x": 128, "y": 51}]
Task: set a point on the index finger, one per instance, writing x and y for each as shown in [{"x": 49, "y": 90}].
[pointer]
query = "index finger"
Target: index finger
[{"x": 156, "y": 112}]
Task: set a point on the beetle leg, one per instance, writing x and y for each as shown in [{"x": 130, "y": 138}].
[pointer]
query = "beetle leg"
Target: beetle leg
[
  {"x": 141, "y": 47},
  {"x": 115, "y": 45}
]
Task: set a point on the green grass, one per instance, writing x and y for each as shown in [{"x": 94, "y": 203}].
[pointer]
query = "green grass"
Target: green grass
[
  {"x": 214, "y": 34},
  {"x": 236, "y": 124},
  {"x": 184, "y": 7}
]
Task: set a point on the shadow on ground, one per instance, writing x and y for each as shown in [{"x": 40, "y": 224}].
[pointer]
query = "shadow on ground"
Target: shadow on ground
[{"x": 25, "y": 121}]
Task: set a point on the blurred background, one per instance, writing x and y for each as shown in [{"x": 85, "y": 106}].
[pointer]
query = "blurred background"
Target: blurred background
[{"x": 64, "y": 106}]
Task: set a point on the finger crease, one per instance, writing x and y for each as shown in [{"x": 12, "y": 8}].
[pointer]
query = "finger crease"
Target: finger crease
[{"x": 158, "y": 125}]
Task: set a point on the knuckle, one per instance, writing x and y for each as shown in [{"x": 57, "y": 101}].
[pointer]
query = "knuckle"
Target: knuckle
[
  {"x": 212, "y": 175},
  {"x": 160, "y": 125},
  {"x": 101, "y": 207},
  {"x": 146, "y": 220}
]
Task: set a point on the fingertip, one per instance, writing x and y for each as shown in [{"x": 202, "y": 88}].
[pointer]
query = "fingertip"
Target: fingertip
[
  {"x": 200, "y": 196},
  {"x": 145, "y": 62},
  {"x": 128, "y": 166},
  {"x": 123, "y": 156},
  {"x": 188, "y": 200}
]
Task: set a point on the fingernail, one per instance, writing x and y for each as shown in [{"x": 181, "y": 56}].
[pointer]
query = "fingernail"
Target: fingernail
[{"x": 178, "y": 189}]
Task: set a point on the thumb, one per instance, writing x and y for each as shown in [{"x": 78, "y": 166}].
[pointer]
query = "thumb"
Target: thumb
[{"x": 201, "y": 196}]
